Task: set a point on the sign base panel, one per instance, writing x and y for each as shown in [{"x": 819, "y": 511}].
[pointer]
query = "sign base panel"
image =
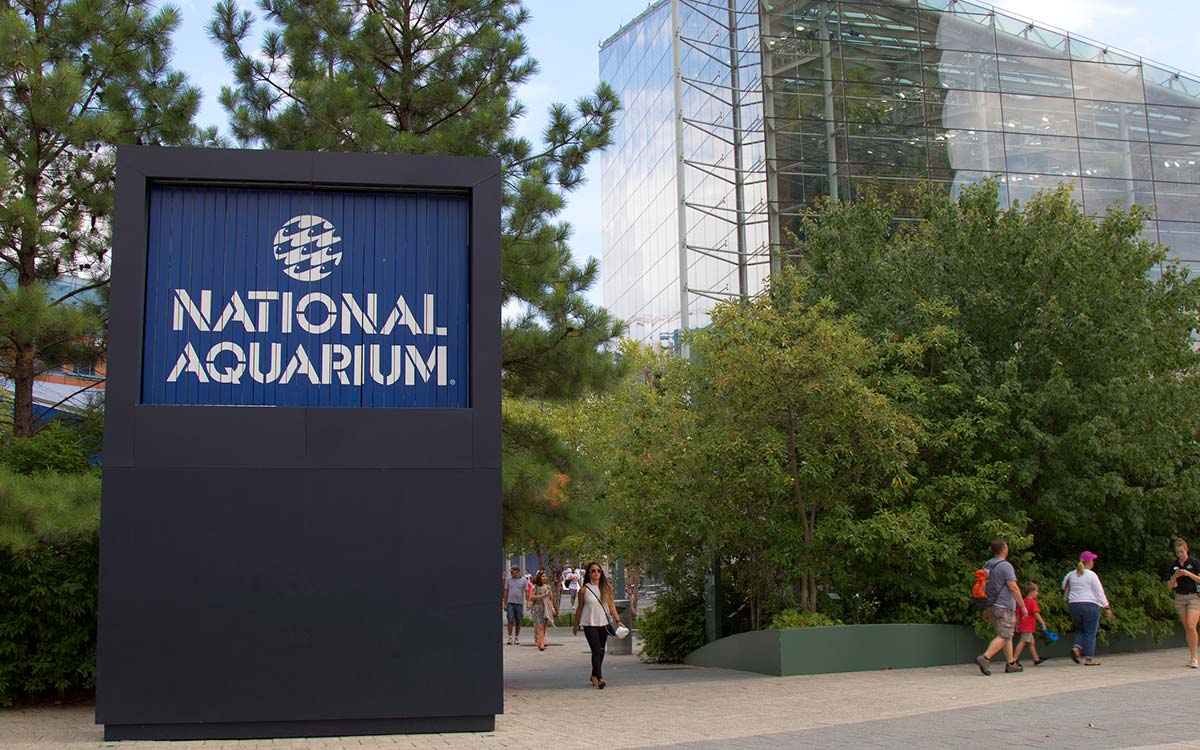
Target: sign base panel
[{"x": 274, "y": 729}]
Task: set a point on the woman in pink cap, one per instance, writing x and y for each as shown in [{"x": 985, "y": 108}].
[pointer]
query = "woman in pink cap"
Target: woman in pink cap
[{"x": 1085, "y": 598}]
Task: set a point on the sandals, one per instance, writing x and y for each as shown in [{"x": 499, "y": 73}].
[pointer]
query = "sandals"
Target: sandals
[
  {"x": 601, "y": 684},
  {"x": 1076, "y": 652},
  {"x": 1193, "y": 664},
  {"x": 1090, "y": 663}
]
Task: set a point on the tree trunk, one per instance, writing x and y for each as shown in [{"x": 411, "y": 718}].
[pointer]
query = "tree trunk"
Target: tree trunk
[
  {"x": 633, "y": 580},
  {"x": 23, "y": 375}
]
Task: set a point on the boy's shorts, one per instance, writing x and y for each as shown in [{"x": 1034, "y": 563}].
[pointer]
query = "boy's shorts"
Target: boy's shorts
[{"x": 1026, "y": 637}]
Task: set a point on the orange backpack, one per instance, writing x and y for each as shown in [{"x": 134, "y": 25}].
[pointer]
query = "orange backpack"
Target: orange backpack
[{"x": 981, "y": 598}]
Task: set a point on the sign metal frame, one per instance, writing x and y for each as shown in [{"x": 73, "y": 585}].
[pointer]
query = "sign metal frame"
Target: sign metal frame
[{"x": 256, "y": 562}]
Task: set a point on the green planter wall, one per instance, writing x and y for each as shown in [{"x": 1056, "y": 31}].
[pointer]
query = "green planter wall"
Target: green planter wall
[{"x": 860, "y": 648}]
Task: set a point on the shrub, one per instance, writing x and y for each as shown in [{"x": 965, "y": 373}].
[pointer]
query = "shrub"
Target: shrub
[
  {"x": 49, "y": 571},
  {"x": 57, "y": 448},
  {"x": 790, "y": 618},
  {"x": 673, "y": 628}
]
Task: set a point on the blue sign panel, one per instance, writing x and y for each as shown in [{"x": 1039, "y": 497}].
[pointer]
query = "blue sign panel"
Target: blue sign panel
[{"x": 312, "y": 298}]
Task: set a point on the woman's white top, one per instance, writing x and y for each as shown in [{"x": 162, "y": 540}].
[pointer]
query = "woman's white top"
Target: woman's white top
[
  {"x": 593, "y": 610},
  {"x": 1085, "y": 589}
]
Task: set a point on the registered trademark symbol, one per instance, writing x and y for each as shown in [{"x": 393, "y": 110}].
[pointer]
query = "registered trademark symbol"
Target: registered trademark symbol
[{"x": 453, "y": 381}]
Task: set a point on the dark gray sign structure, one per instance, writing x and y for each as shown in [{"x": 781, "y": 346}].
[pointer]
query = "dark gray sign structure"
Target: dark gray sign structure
[{"x": 301, "y": 497}]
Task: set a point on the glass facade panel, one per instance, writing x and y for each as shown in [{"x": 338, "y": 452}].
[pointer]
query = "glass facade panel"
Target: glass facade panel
[
  {"x": 1037, "y": 76},
  {"x": 1177, "y": 163},
  {"x": 839, "y": 98},
  {"x": 1176, "y": 201},
  {"x": 1183, "y": 237},
  {"x": 1115, "y": 120},
  {"x": 1114, "y": 159},
  {"x": 1107, "y": 82},
  {"x": 1038, "y": 114}
]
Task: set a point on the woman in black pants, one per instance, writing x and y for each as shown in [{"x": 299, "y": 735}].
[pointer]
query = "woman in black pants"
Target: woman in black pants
[{"x": 596, "y": 602}]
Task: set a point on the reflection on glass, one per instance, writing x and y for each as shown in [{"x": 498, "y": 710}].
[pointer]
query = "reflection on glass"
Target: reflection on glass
[{"x": 877, "y": 96}]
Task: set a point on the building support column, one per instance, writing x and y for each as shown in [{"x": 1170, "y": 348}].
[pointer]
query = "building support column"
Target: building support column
[
  {"x": 739, "y": 175},
  {"x": 830, "y": 123},
  {"x": 680, "y": 169}
]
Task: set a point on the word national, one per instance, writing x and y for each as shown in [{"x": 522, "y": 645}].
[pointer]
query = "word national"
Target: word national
[{"x": 269, "y": 315}]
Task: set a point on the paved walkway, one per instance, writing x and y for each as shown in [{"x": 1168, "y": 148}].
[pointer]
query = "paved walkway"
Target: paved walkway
[{"x": 1131, "y": 701}]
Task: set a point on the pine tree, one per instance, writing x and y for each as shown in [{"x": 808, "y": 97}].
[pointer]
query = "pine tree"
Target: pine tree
[
  {"x": 76, "y": 78},
  {"x": 439, "y": 77}
]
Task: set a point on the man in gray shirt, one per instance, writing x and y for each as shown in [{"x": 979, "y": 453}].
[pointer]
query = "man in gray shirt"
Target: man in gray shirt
[
  {"x": 516, "y": 591},
  {"x": 1002, "y": 613}
]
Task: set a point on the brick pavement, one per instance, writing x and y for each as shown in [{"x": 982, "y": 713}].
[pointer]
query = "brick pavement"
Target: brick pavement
[{"x": 1134, "y": 700}]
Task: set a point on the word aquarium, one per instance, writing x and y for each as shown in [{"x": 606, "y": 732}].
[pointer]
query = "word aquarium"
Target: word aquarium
[{"x": 260, "y": 326}]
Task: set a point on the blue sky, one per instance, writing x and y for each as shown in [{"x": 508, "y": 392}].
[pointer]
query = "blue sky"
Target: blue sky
[{"x": 564, "y": 37}]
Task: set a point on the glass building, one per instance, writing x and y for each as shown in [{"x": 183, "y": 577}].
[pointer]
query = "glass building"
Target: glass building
[{"x": 740, "y": 114}]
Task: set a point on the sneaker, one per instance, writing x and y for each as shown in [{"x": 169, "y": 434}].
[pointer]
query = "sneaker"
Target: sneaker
[
  {"x": 516, "y": 641},
  {"x": 983, "y": 663},
  {"x": 1014, "y": 667},
  {"x": 510, "y": 640},
  {"x": 1039, "y": 660}
]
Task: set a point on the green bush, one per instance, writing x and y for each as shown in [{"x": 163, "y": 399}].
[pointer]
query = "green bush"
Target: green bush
[
  {"x": 57, "y": 448},
  {"x": 790, "y": 618},
  {"x": 673, "y": 628},
  {"x": 49, "y": 571}
]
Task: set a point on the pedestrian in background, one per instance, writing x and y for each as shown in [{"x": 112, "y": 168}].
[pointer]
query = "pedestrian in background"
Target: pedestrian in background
[
  {"x": 596, "y": 603},
  {"x": 1002, "y": 613},
  {"x": 516, "y": 591},
  {"x": 571, "y": 577},
  {"x": 1085, "y": 598},
  {"x": 541, "y": 608},
  {"x": 556, "y": 582},
  {"x": 1184, "y": 575}
]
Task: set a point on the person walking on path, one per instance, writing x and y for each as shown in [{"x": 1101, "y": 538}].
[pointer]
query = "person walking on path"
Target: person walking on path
[
  {"x": 541, "y": 608},
  {"x": 556, "y": 584},
  {"x": 1002, "y": 613},
  {"x": 1028, "y": 624},
  {"x": 1184, "y": 576},
  {"x": 596, "y": 603},
  {"x": 1085, "y": 598},
  {"x": 571, "y": 578},
  {"x": 516, "y": 591}
]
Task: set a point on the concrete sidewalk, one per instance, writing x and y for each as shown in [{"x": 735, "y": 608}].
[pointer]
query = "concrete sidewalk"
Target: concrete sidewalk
[{"x": 1133, "y": 700}]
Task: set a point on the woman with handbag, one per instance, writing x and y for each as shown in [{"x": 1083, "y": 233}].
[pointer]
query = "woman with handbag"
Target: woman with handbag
[
  {"x": 542, "y": 609},
  {"x": 596, "y": 603}
]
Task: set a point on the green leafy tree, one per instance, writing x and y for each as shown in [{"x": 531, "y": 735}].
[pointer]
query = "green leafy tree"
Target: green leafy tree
[
  {"x": 1050, "y": 360},
  {"x": 798, "y": 429},
  {"x": 634, "y": 439},
  {"x": 76, "y": 77},
  {"x": 439, "y": 77}
]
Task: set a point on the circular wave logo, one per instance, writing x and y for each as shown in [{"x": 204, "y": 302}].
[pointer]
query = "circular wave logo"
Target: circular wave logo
[{"x": 308, "y": 247}]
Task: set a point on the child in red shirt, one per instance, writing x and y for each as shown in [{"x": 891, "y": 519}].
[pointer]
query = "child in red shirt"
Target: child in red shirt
[{"x": 1028, "y": 624}]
